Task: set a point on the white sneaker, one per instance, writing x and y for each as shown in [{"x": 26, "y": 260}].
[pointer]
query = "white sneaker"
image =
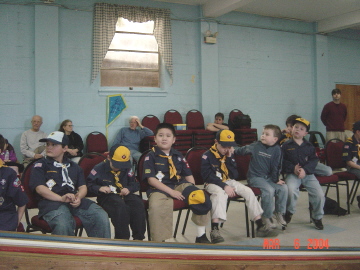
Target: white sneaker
[
  {"x": 272, "y": 224},
  {"x": 280, "y": 219}
]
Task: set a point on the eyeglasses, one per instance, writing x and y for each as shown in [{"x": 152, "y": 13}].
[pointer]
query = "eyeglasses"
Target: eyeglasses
[{"x": 70, "y": 125}]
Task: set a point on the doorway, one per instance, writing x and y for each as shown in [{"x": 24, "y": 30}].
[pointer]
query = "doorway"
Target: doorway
[{"x": 350, "y": 96}]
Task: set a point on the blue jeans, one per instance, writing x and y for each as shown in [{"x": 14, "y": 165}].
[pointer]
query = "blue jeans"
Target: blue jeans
[
  {"x": 94, "y": 219},
  {"x": 269, "y": 190},
  {"x": 323, "y": 170},
  {"x": 316, "y": 194}
]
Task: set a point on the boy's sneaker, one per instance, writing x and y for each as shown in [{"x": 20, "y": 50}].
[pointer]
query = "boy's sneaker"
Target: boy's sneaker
[
  {"x": 265, "y": 231},
  {"x": 280, "y": 219},
  {"x": 287, "y": 217},
  {"x": 202, "y": 239},
  {"x": 216, "y": 237},
  {"x": 318, "y": 223},
  {"x": 272, "y": 224}
]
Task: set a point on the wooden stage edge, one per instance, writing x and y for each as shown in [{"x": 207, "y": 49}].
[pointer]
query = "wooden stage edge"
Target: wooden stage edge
[{"x": 34, "y": 251}]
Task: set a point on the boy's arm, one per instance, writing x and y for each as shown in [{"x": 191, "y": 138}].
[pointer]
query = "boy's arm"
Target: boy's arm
[
  {"x": 146, "y": 132},
  {"x": 190, "y": 179},
  {"x": 20, "y": 212},
  {"x": 208, "y": 173},
  {"x": 160, "y": 186},
  {"x": 287, "y": 165},
  {"x": 276, "y": 165},
  {"x": 244, "y": 150},
  {"x": 215, "y": 127},
  {"x": 313, "y": 160}
]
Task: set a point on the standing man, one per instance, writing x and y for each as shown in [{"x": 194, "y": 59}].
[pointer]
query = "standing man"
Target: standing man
[
  {"x": 132, "y": 135},
  {"x": 30, "y": 146},
  {"x": 333, "y": 117}
]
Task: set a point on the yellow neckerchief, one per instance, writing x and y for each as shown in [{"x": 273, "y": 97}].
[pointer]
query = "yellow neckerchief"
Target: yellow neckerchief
[
  {"x": 350, "y": 140},
  {"x": 172, "y": 168},
  {"x": 223, "y": 168},
  {"x": 117, "y": 180},
  {"x": 2, "y": 163},
  {"x": 288, "y": 136}
]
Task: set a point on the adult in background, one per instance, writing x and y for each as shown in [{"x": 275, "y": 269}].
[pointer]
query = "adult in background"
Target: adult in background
[
  {"x": 132, "y": 135},
  {"x": 333, "y": 117},
  {"x": 30, "y": 146},
  {"x": 76, "y": 145}
]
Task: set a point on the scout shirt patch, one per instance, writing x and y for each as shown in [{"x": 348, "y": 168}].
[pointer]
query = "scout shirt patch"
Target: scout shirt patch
[
  {"x": 130, "y": 173},
  {"x": 187, "y": 164},
  {"x": 204, "y": 157},
  {"x": 50, "y": 183},
  {"x": 38, "y": 165},
  {"x": 218, "y": 174},
  {"x": 93, "y": 172},
  {"x": 160, "y": 176},
  {"x": 147, "y": 171},
  {"x": 1, "y": 200},
  {"x": 17, "y": 182},
  {"x": 3, "y": 181},
  {"x": 113, "y": 189}
]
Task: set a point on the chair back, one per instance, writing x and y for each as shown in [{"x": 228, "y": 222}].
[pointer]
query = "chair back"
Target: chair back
[
  {"x": 195, "y": 120},
  {"x": 193, "y": 157},
  {"x": 88, "y": 161},
  {"x": 150, "y": 121},
  {"x": 25, "y": 180},
  {"x": 242, "y": 164},
  {"x": 317, "y": 139},
  {"x": 333, "y": 153},
  {"x": 96, "y": 142},
  {"x": 173, "y": 117},
  {"x": 232, "y": 116},
  {"x": 144, "y": 186}
]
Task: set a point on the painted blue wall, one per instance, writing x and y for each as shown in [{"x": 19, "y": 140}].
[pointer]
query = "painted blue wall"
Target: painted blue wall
[{"x": 269, "y": 68}]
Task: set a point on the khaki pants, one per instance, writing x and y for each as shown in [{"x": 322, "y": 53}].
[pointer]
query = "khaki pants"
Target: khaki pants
[
  {"x": 161, "y": 215},
  {"x": 38, "y": 150},
  {"x": 335, "y": 135}
]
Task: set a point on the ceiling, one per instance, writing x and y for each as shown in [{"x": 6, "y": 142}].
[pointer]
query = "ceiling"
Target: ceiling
[{"x": 331, "y": 15}]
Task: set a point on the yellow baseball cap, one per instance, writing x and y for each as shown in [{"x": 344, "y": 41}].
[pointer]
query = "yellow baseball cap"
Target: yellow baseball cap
[
  {"x": 304, "y": 122},
  {"x": 226, "y": 138},
  {"x": 120, "y": 157}
]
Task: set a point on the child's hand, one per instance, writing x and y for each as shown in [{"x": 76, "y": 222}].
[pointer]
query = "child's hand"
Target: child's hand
[
  {"x": 105, "y": 189},
  {"x": 76, "y": 202},
  {"x": 302, "y": 173},
  {"x": 230, "y": 191},
  {"x": 177, "y": 195},
  {"x": 230, "y": 151},
  {"x": 68, "y": 198},
  {"x": 281, "y": 182},
  {"x": 297, "y": 169},
  {"x": 124, "y": 192}
]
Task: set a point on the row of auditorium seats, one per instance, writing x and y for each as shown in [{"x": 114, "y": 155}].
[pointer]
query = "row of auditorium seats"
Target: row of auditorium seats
[{"x": 194, "y": 134}]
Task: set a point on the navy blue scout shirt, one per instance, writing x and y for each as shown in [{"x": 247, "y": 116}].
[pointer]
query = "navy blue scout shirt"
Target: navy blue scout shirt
[
  {"x": 210, "y": 169},
  {"x": 158, "y": 167},
  {"x": 265, "y": 160},
  {"x": 11, "y": 195},
  {"x": 303, "y": 154},
  {"x": 101, "y": 175},
  {"x": 350, "y": 150},
  {"x": 47, "y": 174}
]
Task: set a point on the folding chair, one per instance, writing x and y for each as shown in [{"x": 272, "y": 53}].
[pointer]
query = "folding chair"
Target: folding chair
[
  {"x": 144, "y": 186},
  {"x": 96, "y": 142},
  {"x": 87, "y": 162},
  {"x": 36, "y": 223},
  {"x": 193, "y": 158},
  {"x": 184, "y": 138},
  {"x": 195, "y": 122},
  {"x": 150, "y": 121},
  {"x": 333, "y": 158},
  {"x": 317, "y": 139}
]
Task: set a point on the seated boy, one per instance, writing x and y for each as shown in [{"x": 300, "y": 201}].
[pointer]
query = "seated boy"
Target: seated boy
[
  {"x": 218, "y": 123},
  {"x": 320, "y": 169},
  {"x": 170, "y": 177},
  {"x": 351, "y": 154},
  {"x": 218, "y": 169},
  {"x": 60, "y": 184},
  {"x": 299, "y": 164},
  {"x": 12, "y": 195},
  {"x": 264, "y": 172},
  {"x": 114, "y": 183}
]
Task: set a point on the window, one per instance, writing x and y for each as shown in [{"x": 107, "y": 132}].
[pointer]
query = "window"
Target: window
[
  {"x": 142, "y": 67},
  {"x": 133, "y": 56}
]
